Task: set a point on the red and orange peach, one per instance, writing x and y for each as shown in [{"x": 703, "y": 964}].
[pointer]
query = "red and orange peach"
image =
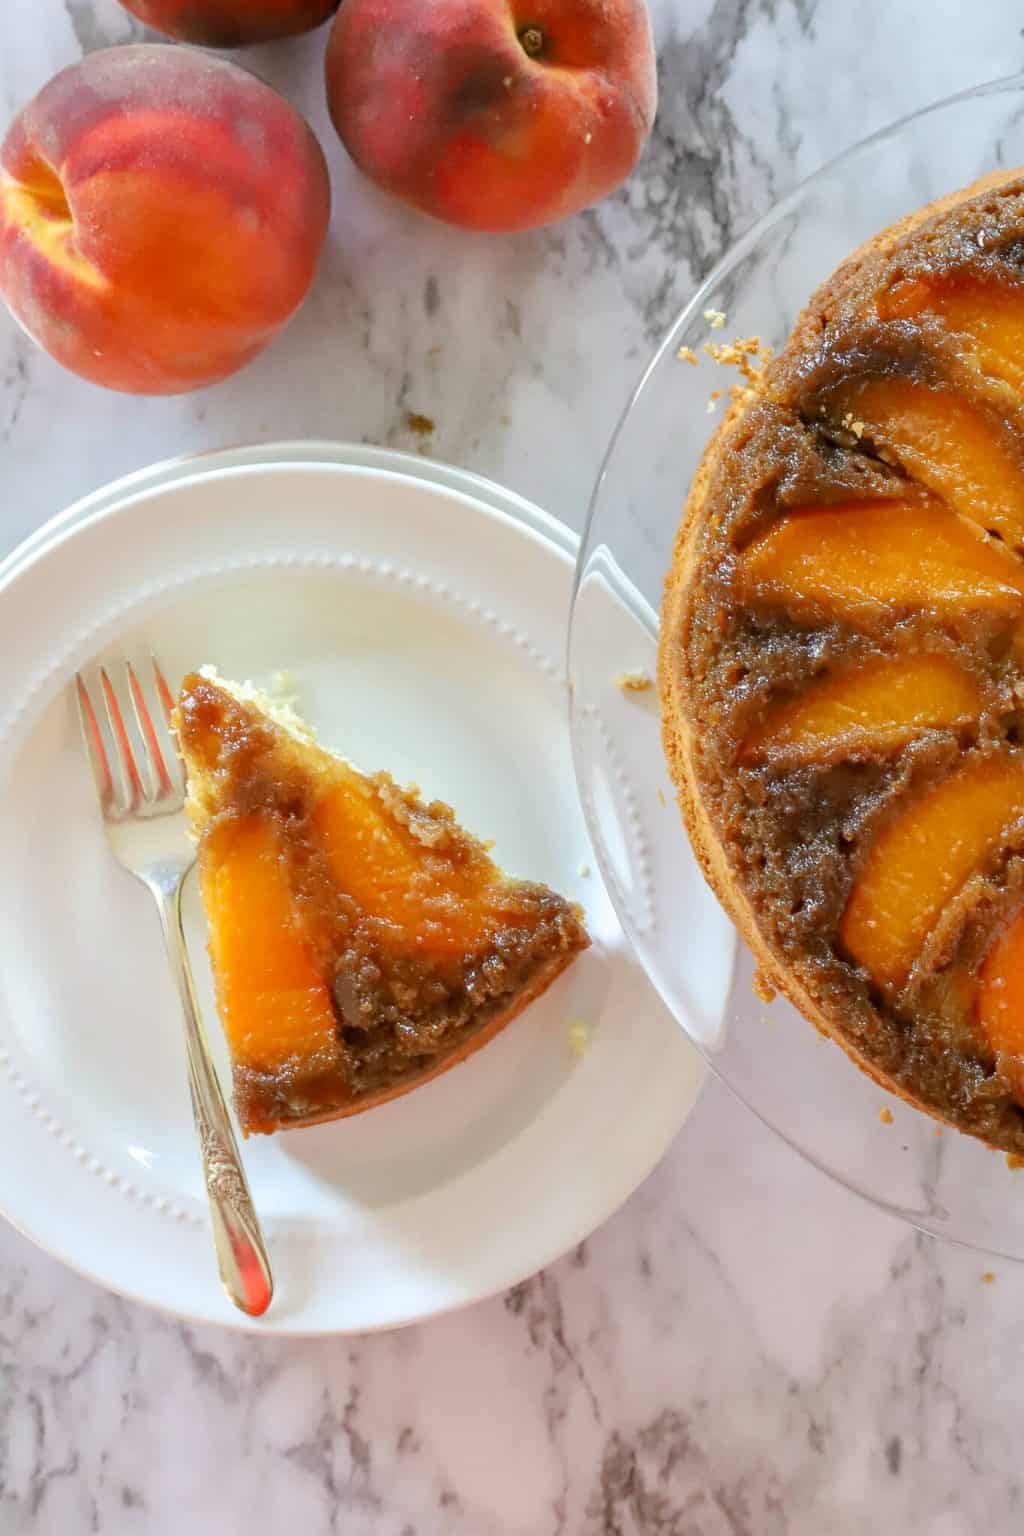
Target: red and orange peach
[
  {"x": 494, "y": 114},
  {"x": 161, "y": 216},
  {"x": 231, "y": 23}
]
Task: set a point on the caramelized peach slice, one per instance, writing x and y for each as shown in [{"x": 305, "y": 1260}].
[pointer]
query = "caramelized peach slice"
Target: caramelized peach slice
[
  {"x": 944, "y": 443},
  {"x": 274, "y": 1002},
  {"x": 440, "y": 899},
  {"x": 858, "y": 560},
  {"x": 877, "y": 705},
  {"x": 924, "y": 857},
  {"x": 1000, "y": 997},
  {"x": 987, "y": 313}
]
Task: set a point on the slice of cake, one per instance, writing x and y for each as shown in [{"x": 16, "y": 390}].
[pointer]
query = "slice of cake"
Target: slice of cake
[{"x": 361, "y": 941}]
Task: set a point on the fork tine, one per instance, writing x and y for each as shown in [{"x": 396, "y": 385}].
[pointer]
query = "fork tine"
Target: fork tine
[
  {"x": 166, "y": 698},
  {"x": 161, "y": 779},
  {"x": 98, "y": 760},
  {"x": 133, "y": 783}
]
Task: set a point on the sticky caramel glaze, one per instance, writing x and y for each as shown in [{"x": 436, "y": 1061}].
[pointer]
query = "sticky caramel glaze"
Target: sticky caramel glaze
[
  {"x": 425, "y": 949},
  {"x": 748, "y": 629}
]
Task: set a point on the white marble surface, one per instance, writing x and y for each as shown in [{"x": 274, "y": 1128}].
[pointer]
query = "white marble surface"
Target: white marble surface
[{"x": 744, "y": 1348}]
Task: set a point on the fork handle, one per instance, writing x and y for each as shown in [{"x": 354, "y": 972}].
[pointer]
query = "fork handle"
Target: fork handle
[{"x": 237, "y": 1238}]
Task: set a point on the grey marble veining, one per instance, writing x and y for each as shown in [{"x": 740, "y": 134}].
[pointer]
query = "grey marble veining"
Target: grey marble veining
[{"x": 744, "y": 1350}]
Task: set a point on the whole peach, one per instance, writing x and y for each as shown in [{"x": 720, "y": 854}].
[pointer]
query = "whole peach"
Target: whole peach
[
  {"x": 161, "y": 216},
  {"x": 231, "y": 23},
  {"x": 495, "y": 114}
]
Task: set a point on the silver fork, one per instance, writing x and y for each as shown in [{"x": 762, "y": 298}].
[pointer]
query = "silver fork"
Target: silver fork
[{"x": 143, "y": 813}]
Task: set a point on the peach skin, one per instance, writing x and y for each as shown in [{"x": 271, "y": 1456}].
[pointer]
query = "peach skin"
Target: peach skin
[
  {"x": 161, "y": 216},
  {"x": 493, "y": 114},
  {"x": 231, "y": 23}
]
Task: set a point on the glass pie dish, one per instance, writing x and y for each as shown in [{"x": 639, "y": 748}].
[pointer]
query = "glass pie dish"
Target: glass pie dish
[{"x": 796, "y": 1081}]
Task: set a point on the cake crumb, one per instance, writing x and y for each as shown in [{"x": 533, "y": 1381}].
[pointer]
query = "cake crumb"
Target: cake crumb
[
  {"x": 687, "y": 355},
  {"x": 885, "y": 1115},
  {"x": 584, "y": 871},
  {"x": 423, "y": 426},
  {"x": 715, "y": 318},
  {"x": 579, "y": 1037},
  {"x": 634, "y": 682},
  {"x": 747, "y": 353},
  {"x": 988, "y": 1277},
  {"x": 284, "y": 689},
  {"x": 742, "y": 394},
  {"x": 762, "y": 987},
  {"x": 661, "y": 797},
  {"x": 938, "y": 1130}
]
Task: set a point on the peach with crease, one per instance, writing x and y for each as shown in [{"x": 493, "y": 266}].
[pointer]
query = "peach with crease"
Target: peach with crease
[
  {"x": 493, "y": 114},
  {"x": 161, "y": 217}
]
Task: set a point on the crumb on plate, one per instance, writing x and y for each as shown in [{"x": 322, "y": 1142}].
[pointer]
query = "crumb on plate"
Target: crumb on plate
[
  {"x": 715, "y": 318},
  {"x": 284, "y": 689},
  {"x": 885, "y": 1115},
  {"x": 634, "y": 682},
  {"x": 579, "y": 1037},
  {"x": 762, "y": 987}
]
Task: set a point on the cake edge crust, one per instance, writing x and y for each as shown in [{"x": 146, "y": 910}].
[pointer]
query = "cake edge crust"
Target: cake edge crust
[{"x": 487, "y": 1031}]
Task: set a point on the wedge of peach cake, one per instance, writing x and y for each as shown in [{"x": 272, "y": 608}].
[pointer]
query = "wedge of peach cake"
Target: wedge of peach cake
[{"x": 361, "y": 941}]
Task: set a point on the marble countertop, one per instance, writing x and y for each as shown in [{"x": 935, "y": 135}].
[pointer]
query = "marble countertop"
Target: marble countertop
[{"x": 745, "y": 1349}]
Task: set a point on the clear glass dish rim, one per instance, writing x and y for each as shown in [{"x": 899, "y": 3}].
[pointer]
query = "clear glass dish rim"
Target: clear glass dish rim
[{"x": 1003, "y": 85}]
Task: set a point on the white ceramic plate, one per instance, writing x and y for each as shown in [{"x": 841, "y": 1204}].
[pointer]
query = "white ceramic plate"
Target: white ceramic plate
[{"x": 423, "y": 615}]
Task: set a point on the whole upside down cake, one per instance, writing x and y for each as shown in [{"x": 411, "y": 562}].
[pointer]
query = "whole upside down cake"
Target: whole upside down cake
[{"x": 841, "y": 665}]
